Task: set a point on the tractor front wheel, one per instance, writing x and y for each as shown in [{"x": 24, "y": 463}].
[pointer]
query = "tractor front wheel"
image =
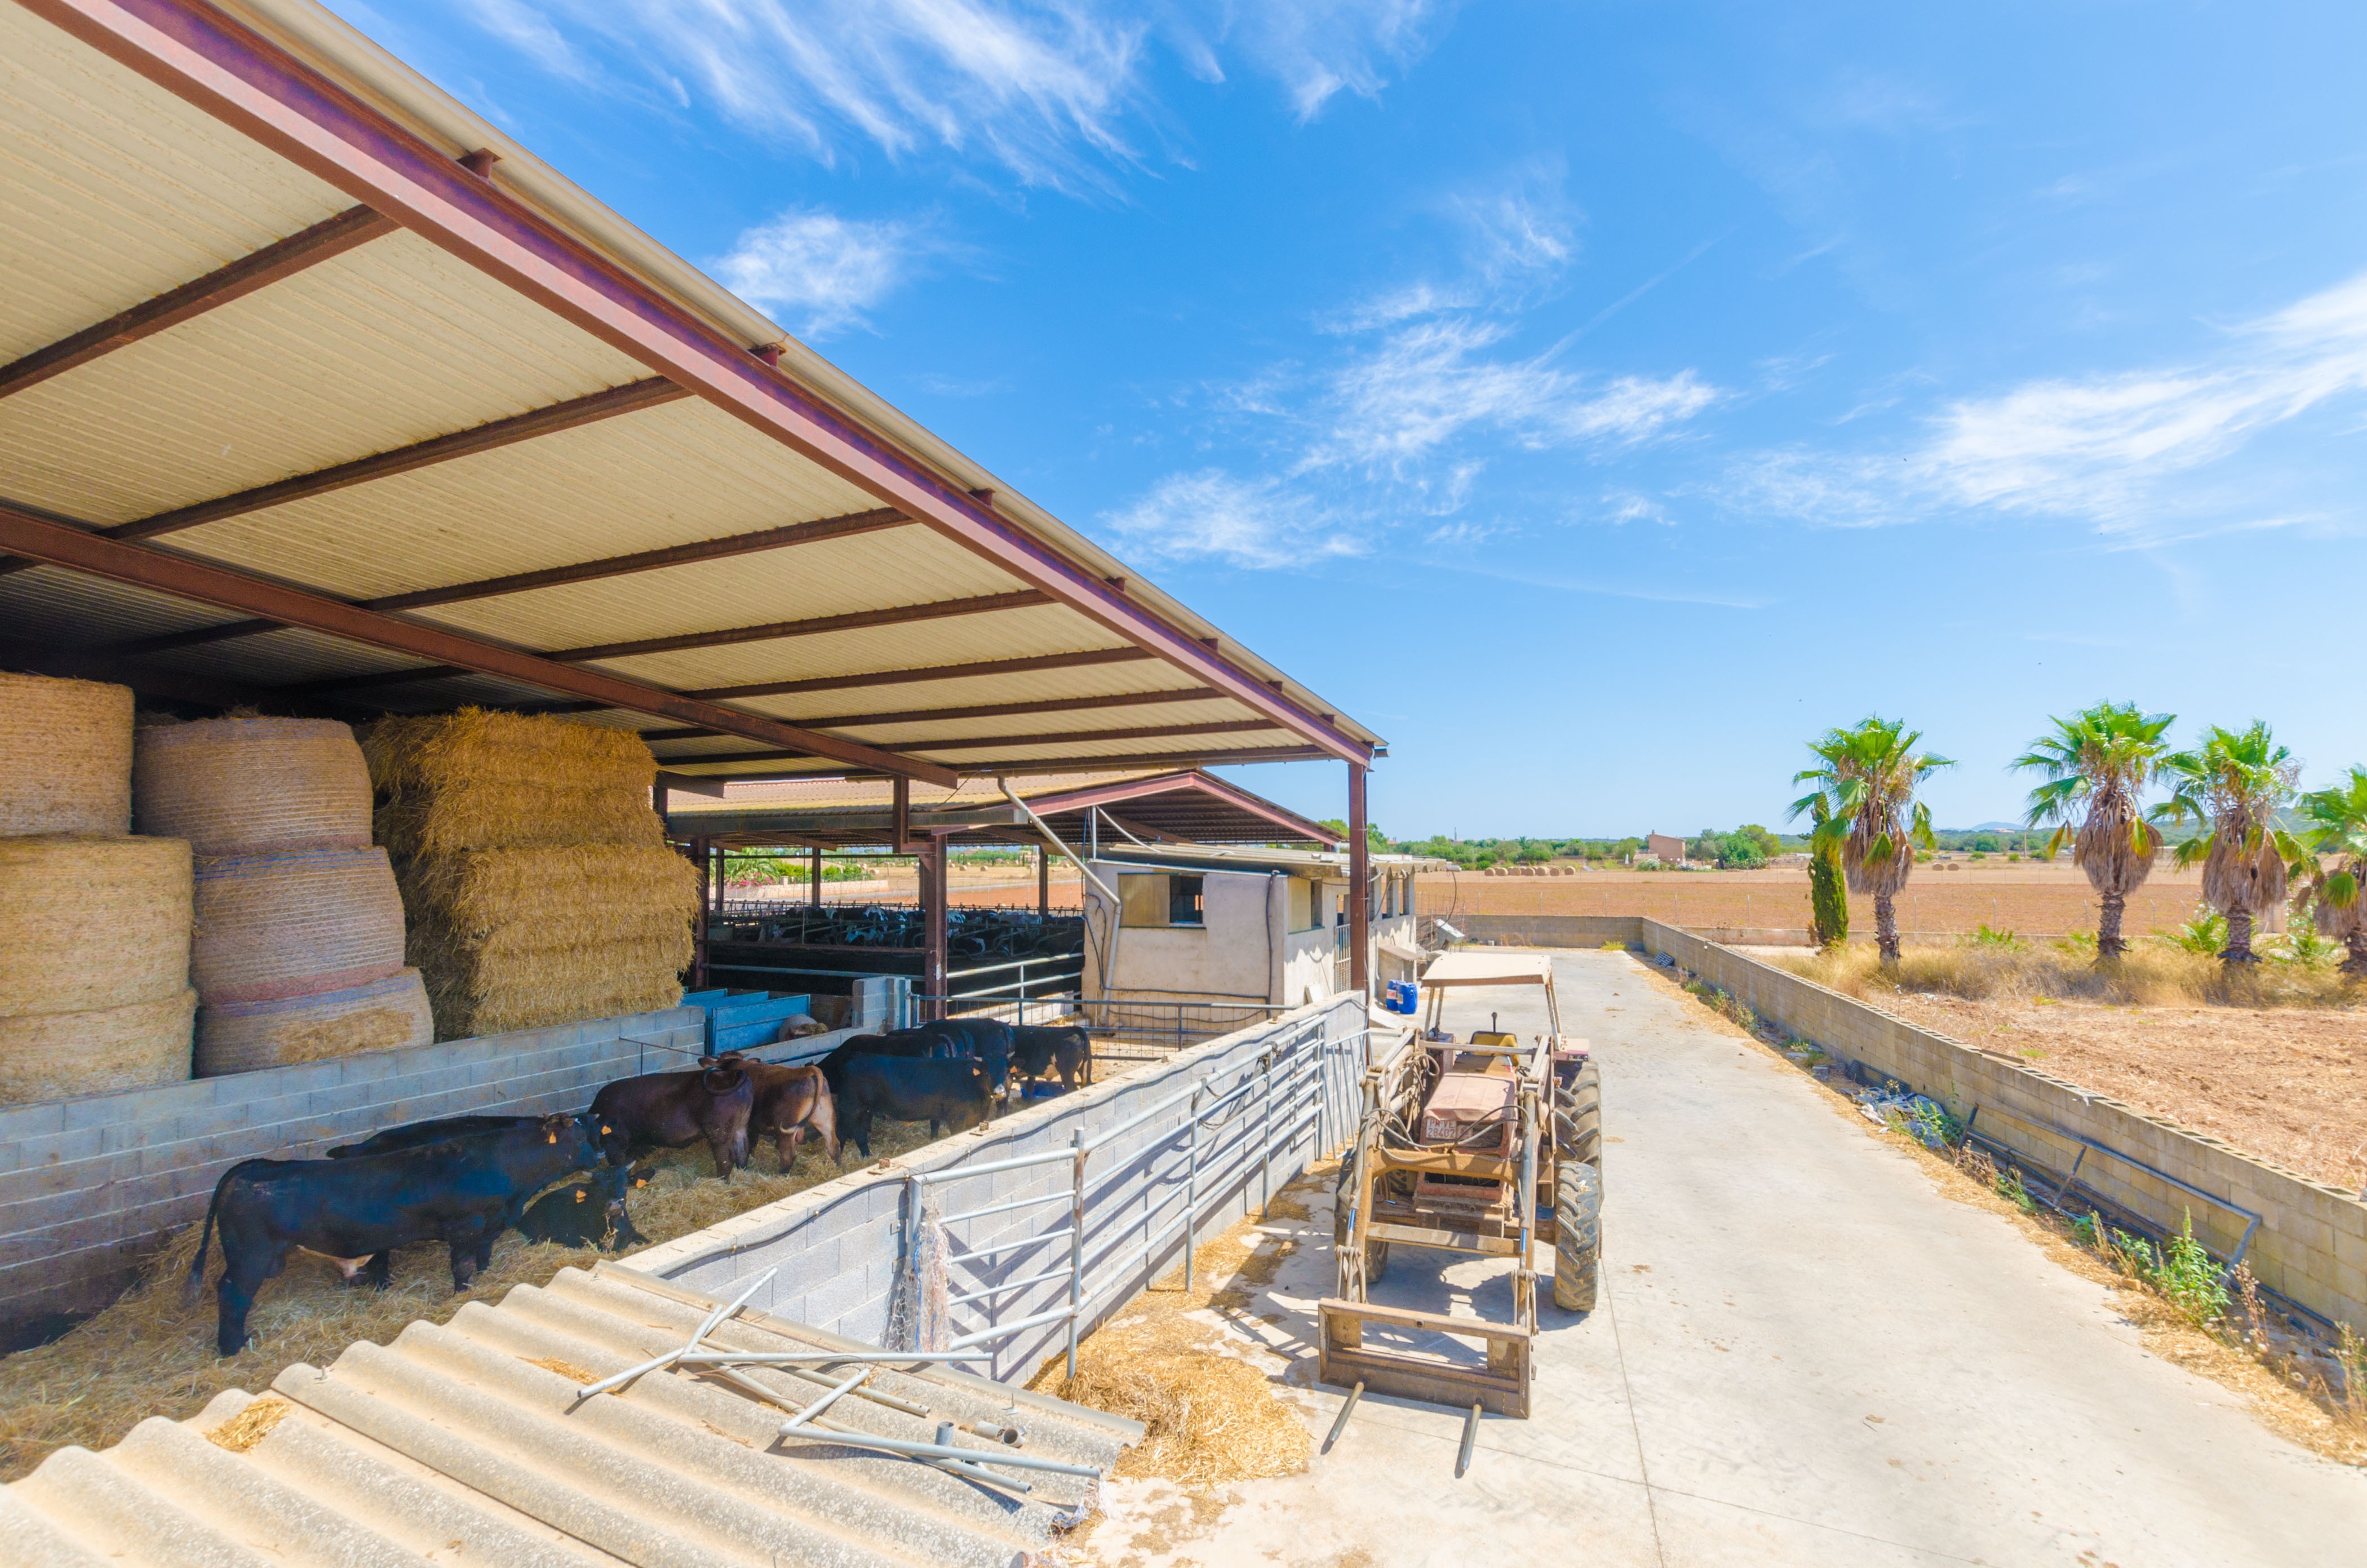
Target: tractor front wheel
[{"x": 1578, "y": 1235}]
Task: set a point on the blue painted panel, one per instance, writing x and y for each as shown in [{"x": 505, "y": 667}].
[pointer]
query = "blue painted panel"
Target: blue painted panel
[{"x": 758, "y": 1008}]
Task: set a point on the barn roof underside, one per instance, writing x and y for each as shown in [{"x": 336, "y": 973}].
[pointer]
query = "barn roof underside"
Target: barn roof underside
[
  {"x": 1170, "y": 808},
  {"x": 319, "y": 395}
]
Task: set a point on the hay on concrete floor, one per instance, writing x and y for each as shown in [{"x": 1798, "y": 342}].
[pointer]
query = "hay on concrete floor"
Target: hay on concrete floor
[
  {"x": 65, "y": 756},
  {"x": 232, "y": 785},
  {"x": 484, "y": 781},
  {"x": 92, "y": 922},
  {"x": 1209, "y": 1418},
  {"x": 521, "y": 938}
]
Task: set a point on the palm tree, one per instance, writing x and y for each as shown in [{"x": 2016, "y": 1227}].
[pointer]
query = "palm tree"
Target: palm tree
[
  {"x": 1870, "y": 814},
  {"x": 2231, "y": 786},
  {"x": 2338, "y": 827},
  {"x": 2096, "y": 762}
]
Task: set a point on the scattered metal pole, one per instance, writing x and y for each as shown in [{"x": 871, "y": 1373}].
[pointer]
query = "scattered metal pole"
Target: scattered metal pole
[
  {"x": 1346, "y": 1410},
  {"x": 1076, "y": 1246}
]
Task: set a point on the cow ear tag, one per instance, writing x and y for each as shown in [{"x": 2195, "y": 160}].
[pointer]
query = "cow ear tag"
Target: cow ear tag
[
  {"x": 551, "y": 1137},
  {"x": 578, "y": 1195}
]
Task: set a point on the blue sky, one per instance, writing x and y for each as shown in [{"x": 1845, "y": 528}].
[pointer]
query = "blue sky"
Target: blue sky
[{"x": 1596, "y": 399}]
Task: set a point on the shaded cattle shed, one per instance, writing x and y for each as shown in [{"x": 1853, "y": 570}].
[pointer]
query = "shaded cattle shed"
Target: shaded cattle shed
[
  {"x": 969, "y": 954},
  {"x": 320, "y": 394}
]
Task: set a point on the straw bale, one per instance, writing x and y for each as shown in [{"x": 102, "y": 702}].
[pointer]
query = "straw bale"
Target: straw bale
[
  {"x": 294, "y": 925},
  {"x": 65, "y": 756},
  {"x": 474, "y": 779},
  {"x": 520, "y": 938},
  {"x": 384, "y": 1015},
  {"x": 232, "y": 785},
  {"x": 92, "y": 922},
  {"x": 55, "y": 1056}
]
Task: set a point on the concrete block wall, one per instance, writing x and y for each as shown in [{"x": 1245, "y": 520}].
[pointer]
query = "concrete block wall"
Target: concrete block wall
[
  {"x": 840, "y": 1248},
  {"x": 2311, "y": 1245},
  {"x": 90, "y": 1187}
]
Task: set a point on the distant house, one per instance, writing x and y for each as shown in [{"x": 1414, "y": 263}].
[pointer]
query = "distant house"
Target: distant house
[{"x": 1660, "y": 845}]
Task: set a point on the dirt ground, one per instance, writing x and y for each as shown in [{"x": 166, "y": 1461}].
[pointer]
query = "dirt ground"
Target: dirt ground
[
  {"x": 2287, "y": 1084},
  {"x": 1942, "y": 896}
]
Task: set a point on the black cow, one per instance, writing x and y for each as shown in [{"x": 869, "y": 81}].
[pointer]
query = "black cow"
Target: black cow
[
  {"x": 673, "y": 1110},
  {"x": 418, "y": 1133},
  {"x": 1034, "y": 1048},
  {"x": 584, "y": 1213},
  {"x": 954, "y": 1094},
  {"x": 461, "y": 1191},
  {"x": 987, "y": 1039}
]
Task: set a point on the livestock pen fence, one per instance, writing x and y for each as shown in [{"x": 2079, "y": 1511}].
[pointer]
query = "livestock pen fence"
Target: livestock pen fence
[{"x": 1017, "y": 1237}]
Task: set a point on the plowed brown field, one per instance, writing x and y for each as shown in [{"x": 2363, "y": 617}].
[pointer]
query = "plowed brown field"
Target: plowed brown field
[{"x": 2035, "y": 901}]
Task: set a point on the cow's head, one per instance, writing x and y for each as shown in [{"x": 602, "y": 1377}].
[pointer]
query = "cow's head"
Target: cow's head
[{"x": 571, "y": 1136}]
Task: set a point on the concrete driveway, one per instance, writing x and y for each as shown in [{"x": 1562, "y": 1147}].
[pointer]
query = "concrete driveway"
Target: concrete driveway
[{"x": 1806, "y": 1355}]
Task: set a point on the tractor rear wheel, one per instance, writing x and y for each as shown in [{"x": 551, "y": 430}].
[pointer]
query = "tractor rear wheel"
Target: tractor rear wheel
[
  {"x": 1578, "y": 1131},
  {"x": 1578, "y": 1234}
]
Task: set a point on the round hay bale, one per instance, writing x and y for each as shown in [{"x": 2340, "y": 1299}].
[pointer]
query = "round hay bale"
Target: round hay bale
[
  {"x": 234, "y": 785},
  {"x": 55, "y": 1056},
  {"x": 293, "y": 924},
  {"x": 65, "y": 756},
  {"x": 385, "y": 1015},
  {"x": 92, "y": 923}
]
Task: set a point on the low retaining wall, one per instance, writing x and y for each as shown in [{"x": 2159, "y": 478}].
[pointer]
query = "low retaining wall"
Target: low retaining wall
[
  {"x": 2310, "y": 1244},
  {"x": 840, "y": 1248},
  {"x": 89, "y": 1187}
]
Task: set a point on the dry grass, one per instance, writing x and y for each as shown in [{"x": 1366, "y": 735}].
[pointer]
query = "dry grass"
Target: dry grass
[
  {"x": 1211, "y": 1417},
  {"x": 250, "y": 1426},
  {"x": 148, "y": 1355},
  {"x": 2152, "y": 975}
]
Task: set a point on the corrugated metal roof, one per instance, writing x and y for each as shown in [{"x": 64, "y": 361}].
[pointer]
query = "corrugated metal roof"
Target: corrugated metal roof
[
  {"x": 125, "y": 190},
  {"x": 469, "y": 1443}
]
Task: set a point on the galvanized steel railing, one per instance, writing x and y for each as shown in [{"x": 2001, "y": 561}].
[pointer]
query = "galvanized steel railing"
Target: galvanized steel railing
[{"x": 1288, "y": 1089}]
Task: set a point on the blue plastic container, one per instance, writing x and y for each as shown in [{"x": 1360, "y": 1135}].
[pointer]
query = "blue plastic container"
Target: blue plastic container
[{"x": 1401, "y": 997}]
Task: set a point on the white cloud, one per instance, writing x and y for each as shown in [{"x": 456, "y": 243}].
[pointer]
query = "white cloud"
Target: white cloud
[
  {"x": 1046, "y": 88},
  {"x": 2128, "y": 451},
  {"x": 820, "y": 270},
  {"x": 1430, "y": 382},
  {"x": 1213, "y": 515}
]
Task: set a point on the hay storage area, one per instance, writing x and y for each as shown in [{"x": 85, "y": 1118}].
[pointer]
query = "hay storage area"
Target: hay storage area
[
  {"x": 536, "y": 879},
  {"x": 93, "y": 965},
  {"x": 384, "y": 1015},
  {"x": 65, "y": 757},
  {"x": 239, "y": 785},
  {"x": 294, "y": 924}
]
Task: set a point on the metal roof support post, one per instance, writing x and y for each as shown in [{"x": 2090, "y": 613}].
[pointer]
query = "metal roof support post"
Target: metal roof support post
[
  {"x": 813, "y": 879},
  {"x": 1043, "y": 883},
  {"x": 933, "y": 898},
  {"x": 1360, "y": 890},
  {"x": 702, "y": 852}
]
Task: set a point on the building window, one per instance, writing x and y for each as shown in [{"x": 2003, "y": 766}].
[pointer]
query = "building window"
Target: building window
[
  {"x": 1306, "y": 904},
  {"x": 1157, "y": 900}
]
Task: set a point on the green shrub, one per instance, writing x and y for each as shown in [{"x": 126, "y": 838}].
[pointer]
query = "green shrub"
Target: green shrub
[
  {"x": 2188, "y": 1277},
  {"x": 2003, "y": 941},
  {"x": 2205, "y": 934},
  {"x": 1828, "y": 902}
]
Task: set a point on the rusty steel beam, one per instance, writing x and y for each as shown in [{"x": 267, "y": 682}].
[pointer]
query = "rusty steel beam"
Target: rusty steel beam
[
  {"x": 785, "y": 537},
  {"x": 202, "y": 54},
  {"x": 281, "y": 259},
  {"x": 982, "y": 710},
  {"x": 987, "y": 743},
  {"x": 1089, "y": 658},
  {"x": 1016, "y": 766},
  {"x": 37, "y": 537},
  {"x": 853, "y": 620},
  {"x": 629, "y": 398}
]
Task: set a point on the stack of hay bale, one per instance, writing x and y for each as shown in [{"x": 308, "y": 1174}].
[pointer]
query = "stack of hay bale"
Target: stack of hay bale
[
  {"x": 94, "y": 924},
  {"x": 534, "y": 874},
  {"x": 297, "y": 955}
]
